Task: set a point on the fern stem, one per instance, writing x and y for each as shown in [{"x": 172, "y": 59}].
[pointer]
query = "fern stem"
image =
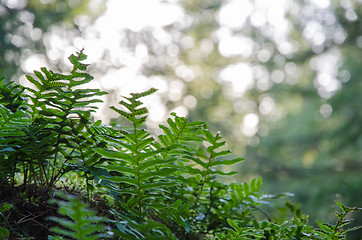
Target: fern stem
[
  {"x": 204, "y": 180},
  {"x": 34, "y": 109},
  {"x": 54, "y": 175},
  {"x": 336, "y": 228},
  {"x": 138, "y": 173}
]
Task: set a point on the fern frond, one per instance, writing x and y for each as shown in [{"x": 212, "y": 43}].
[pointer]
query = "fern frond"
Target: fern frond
[
  {"x": 134, "y": 114},
  {"x": 206, "y": 161},
  {"x": 137, "y": 164},
  {"x": 212, "y": 155},
  {"x": 13, "y": 119},
  {"x": 67, "y": 113},
  {"x": 11, "y": 134},
  {"x": 56, "y": 129},
  {"x": 83, "y": 224},
  {"x": 339, "y": 230},
  {"x": 187, "y": 135}
]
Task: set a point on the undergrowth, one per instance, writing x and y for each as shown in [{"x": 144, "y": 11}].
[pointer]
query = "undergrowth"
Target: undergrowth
[{"x": 155, "y": 187}]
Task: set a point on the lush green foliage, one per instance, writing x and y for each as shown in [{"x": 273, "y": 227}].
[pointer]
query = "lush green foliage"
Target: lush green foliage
[
  {"x": 316, "y": 136},
  {"x": 162, "y": 187}
]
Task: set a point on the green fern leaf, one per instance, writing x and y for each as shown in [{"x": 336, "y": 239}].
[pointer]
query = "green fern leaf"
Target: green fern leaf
[
  {"x": 163, "y": 172},
  {"x": 226, "y": 162},
  {"x": 159, "y": 184},
  {"x": 33, "y": 81},
  {"x": 143, "y": 94},
  {"x": 41, "y": 78},
  {"x": 117, "y": 179},
  {"x": 128, "y": 116},
  {"x": 121, "y": 169},
  {"x": 120, "y": 156},
  {"x": 156, "y": 162}
]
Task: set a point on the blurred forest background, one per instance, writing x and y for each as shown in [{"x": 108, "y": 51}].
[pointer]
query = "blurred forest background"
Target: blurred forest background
[{"x": 280, "y": 79}]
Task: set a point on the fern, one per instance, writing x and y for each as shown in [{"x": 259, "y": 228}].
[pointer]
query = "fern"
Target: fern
[
  {"x": 82, "y": 223},
  {"x": 245, "y": 194},
  {"x": 65, "y": 111},
  {"x": 44, "y": 139},
  {"x": 187, "y": 135},
  {"x": 13, "y": 119},
  {"x": 139, "y": 170},
  {"x": 164, "y": 187},
  {"x": 339, "y": 230},
  {"x": 199, "y": 168},
  {"x": 207, "y": 160}
]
